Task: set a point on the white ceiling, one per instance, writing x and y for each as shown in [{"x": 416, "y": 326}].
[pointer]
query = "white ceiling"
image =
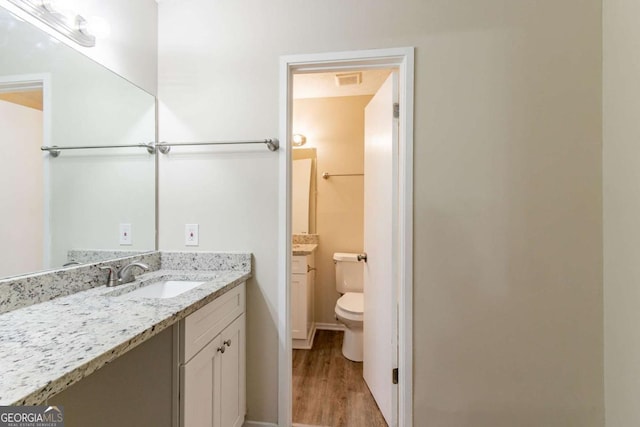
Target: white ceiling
[{"x": 323, "y": 85}]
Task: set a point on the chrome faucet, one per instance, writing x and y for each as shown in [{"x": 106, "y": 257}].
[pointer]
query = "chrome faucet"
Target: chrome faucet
[
  {"x": 113, "y": 274},
  {"x": 120, "y": 276},
  {"x": 125, "y": 275}
]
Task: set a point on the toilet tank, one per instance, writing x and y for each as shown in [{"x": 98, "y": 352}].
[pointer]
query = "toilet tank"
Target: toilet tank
[{"x": 348, "y": 272}]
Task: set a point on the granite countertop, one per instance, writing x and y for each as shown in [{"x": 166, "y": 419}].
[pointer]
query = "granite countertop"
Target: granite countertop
[
  {"x": 46, "y": 347},
  {"x": 303, "y": 248}
]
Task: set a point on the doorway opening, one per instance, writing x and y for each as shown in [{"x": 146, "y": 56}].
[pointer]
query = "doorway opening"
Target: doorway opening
[
  {"x": 25, "y": 113},
  {"x": 356, "y": 174},
  {"x": 339, "y": 378}
]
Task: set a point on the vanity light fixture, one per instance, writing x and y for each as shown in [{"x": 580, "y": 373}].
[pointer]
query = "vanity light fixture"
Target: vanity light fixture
[
  {"x": 99, "y": 27},
  {"x": 298, "y": 140},
  {"x": 72, "y": 26}
]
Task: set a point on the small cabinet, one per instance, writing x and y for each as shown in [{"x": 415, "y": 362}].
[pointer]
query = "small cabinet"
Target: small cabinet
[
  {"x": 302, "y": 290},
  {"x": 212, "y": 368}
]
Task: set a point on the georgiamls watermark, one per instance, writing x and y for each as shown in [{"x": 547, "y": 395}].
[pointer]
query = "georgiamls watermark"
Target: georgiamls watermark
[{"x": 31, "y": 416}]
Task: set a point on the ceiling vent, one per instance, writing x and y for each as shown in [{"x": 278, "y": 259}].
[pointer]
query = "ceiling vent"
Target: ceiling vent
[{"x": 346, "y": 79}]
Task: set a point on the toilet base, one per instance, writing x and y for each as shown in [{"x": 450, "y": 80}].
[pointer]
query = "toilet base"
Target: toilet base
[{"x": 352, "y": 344}]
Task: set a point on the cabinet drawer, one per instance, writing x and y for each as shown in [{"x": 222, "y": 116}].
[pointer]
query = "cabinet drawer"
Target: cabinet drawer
[
  {"x": 199, "y": 328},
  {"x": 299, "y": 264}
]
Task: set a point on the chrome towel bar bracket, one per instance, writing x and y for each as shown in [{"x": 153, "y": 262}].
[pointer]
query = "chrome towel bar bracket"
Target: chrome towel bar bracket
[
  {"x": 327, "y": 175},
  {"x": 165, "y": 147},
  {"x": 54, "y": 150}
]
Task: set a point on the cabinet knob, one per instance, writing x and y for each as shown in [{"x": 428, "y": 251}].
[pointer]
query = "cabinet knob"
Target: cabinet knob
[
  {"x": 227, "y": 342},
  {"x": 221, "y": 349}
]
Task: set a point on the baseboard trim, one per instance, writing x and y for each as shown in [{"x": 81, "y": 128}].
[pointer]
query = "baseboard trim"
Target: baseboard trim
[
  {"x": 258, "y": 424},
  {"x": 330, "y": 326},
  {"x": 306, "y": 344},
  {"x": 261, "y": 424}
]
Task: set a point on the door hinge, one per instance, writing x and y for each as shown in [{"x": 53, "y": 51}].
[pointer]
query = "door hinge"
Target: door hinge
[
  {"x": 396, "y": 110},
  {"x": 394, "y": 375}
]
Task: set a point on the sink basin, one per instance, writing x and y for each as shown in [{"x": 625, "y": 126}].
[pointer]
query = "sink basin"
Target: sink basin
[{"x": 162, "y": 289}]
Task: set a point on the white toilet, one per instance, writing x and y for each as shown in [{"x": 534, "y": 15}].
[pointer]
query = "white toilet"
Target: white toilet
[{"x": 350, "y": 306}]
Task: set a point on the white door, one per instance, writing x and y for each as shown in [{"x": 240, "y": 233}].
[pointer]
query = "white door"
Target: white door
[{"x": 381, "y": 204}]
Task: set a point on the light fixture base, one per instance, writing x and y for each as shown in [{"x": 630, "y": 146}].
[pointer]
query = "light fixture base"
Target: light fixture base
[{"x": 73, "y": 29}]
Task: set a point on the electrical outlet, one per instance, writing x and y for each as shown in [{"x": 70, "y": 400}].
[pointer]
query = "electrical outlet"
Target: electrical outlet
[
  {"x": 126, "y": 238},
  {"x": 191, "y": 235}
]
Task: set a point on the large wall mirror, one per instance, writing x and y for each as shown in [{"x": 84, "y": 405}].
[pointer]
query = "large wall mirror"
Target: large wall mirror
[{"x": 85, "y": 204}]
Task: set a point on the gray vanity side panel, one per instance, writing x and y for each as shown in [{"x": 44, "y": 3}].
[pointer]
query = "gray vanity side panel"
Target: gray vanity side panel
[{"x": 134, "y": 390}]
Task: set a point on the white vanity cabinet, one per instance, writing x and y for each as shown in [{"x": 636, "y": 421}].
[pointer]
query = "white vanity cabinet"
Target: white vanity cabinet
[
  {"x": 212, "y": 358},
  {"x": 302, "y": 289}
]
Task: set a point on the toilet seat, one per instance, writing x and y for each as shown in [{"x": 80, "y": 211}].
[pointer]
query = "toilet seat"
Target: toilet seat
[
  {"x": 351, "y": 306},
  {"x": 353, "y": 302}
]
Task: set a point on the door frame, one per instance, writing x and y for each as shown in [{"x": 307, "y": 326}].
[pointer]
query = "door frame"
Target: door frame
[{"x": 403, "y": 60}]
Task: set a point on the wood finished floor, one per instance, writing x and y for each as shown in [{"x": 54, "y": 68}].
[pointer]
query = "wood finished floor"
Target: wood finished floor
[{"x": 328, "y": 389}]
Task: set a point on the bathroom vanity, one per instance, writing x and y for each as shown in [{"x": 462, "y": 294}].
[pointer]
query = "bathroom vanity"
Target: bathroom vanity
[
  {"x": 302, "y": 295},
  {"x": 113, "y": 357},
  {"x": 134, "y": 354}
]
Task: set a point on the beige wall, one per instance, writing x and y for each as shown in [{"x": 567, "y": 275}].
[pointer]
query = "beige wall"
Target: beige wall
[
  {"x": 507, "y": 190},
  {"x": 335, "y": 127},
  {"x": 621, "y": 170}
]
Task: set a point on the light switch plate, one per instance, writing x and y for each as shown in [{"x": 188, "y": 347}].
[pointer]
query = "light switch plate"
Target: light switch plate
[
  {"x": 191, "y": 237},
  {"x": 126, "y": 238}
]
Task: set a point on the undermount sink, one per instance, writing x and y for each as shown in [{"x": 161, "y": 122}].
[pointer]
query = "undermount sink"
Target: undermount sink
[{"x": 162, "y": 289}]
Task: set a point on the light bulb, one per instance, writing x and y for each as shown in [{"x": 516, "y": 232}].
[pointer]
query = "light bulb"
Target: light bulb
[
  {"x": 98, "y": 27},
  {"x": 298, "y": 140}
]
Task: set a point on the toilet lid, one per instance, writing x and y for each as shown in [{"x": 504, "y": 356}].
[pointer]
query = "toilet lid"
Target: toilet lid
[{"x": 352, "y": 302}]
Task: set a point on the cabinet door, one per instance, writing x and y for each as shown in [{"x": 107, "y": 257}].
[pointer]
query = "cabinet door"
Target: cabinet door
[
  {"x": 232, "y": 374},
  {"x": 310, "y": 291},
  {"x": 299, "y": 306},
  {"x": 199, "y": 399}
]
